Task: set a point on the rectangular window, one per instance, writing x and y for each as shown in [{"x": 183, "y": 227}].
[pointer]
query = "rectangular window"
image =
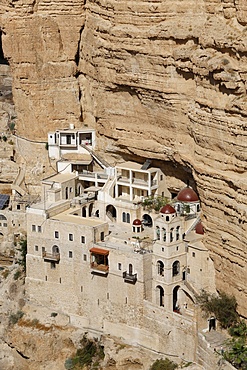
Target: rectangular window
[
  {"x": 43, "y": 250},
  {"x": 193, "y": 254},
  {"x": 71, "y": 190},
  {"x": 84, "y": 257},
  {"x": 161, "y": 177},
  {"x": 18, "y": 207},
  {"x": 71, "y": 237},
  {"x": 162, "y": 249},
  {"x": 56, "y": 234},
  {"x": 70, "y": 254},
  {"x": 36, "y": 248},
  {"x": 83, "y": 239},
  {"x": 53, "y": 265},
  {"x": 5, "y": 225},
  {"x": 39, "y": 229},
  {"x": 33, "y": 227},
  {"x": 102, "y": 236},
  {"x": 119, "y": 266}
]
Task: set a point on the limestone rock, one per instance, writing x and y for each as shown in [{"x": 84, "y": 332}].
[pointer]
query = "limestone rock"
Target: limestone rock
[{"x": 163, "y": 80}]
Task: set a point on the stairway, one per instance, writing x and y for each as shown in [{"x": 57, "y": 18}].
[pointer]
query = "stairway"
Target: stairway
[{"x": 98, "y": 158}]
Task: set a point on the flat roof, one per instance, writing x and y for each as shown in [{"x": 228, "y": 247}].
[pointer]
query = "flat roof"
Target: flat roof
[
  {"x": 135, "y": 166},
  {"x": 78, "y": 220},
  {"x": 60, "y": 177}
]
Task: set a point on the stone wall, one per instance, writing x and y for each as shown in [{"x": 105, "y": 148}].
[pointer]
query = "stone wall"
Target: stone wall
[{"x": 163, "y": 80}]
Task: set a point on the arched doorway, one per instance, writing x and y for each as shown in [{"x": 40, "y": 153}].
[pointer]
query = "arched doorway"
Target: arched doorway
[
  {"x": 111, "y": 212},
  {"x": 84, "y": 212},
  {"x": 55, "y": 250},
  {"x": 175, "y": 306},
  {"x": 160, "y": 296},
  {"x": 147, "y": 220}
]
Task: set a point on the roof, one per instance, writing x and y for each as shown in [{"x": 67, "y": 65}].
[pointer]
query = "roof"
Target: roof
[
  {"x": 167, "y": 209},
  {"x": 60, "y": 177},
  {"x": 137, "y": 222},
  {"x": 135, "y": 167},
  {"x": 78, "y": 157},
  {"x": 103, "y": 252},
  {"x": 199, "y": 228},
  {"x": 187, "y": 195}
]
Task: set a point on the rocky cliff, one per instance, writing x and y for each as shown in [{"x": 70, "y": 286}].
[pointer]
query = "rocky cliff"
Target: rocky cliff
[{"x": 159, "y": 79}]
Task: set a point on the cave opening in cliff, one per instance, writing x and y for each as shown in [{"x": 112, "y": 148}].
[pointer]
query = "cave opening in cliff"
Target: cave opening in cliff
[{"x": 3, "y": 60}]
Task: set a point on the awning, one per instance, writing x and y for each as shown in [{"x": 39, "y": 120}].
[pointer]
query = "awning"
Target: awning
[
  {"x": 103, "y": 252},
  {"x": 94, "y": 189}
]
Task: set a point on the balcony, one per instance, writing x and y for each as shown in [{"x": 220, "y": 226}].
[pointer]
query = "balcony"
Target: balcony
[
  {"x": 99, "y": 268},
  {"x": 51, "y": 257},
  {"x": 129, "y": 278}
]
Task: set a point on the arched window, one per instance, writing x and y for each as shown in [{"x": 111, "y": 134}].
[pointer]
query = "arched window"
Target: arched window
[
  {"x": 124, "y": 217},
  {"x": 157, "y": 233},
  {"x": 171, "y": 235},
  {"x": 177, "y": 232},
  {"x": 130, "y": 269},
  {"x": 2, "y": 217},
  {"x": 160, "y": 268},
  {"x": 164, "y": 234},
  {"x": 167, "y": 218},
  {"x": 175, "y": 268},
  {"x": 128, "y": 218}
]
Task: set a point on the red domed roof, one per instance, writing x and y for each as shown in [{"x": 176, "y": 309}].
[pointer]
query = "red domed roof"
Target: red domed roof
[
  {"x": 167, "y": 209},
  {"x": 137, "y": 222},
  {"x": 187, "y": 195},
  {"x": 199, "y": 228}
]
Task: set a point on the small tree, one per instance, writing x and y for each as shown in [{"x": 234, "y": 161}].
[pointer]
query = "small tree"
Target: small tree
[{"x": 222, "y": 306}]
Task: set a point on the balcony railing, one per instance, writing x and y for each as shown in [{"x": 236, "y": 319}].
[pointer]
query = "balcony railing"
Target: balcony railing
[
  {"x": 52, "y": 257},
  {"x": 129, "y": 278},
  {"x": 100, "y": 269}
]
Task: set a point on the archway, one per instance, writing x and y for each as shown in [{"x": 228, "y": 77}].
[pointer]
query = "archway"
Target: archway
[
  {"x": 160, "y": 268},
  {"x": 90, "y": 209},
  {"x": 55, "y": 249},
  {"x": 79, "y": 189},
  {"x": 111, "y": 212},
  {"x": 160, "y": 296},
  {"x": 175, "y": 268},
  {"x": 147, "y": 220},
  {"x": 175, "y": 299},
  {"x": 84, "y": 212}
]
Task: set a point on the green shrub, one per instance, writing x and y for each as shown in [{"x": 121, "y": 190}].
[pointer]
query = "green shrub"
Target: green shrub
[
  {"x": 88, "y": 352},
  {"x": 164, "y": 364},
  {"x": 17, "y": 274},
  {"x": 15, "y": 317},
  {"x": 236, "y": 353}
]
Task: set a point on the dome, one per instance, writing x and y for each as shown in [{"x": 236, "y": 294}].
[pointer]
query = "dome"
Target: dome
[
  {"x": 187, "y": 195},
  {"x": 199, "y": 228},
  {"x": 167, "y": 209},
  {"x": 137, "y": 222}
]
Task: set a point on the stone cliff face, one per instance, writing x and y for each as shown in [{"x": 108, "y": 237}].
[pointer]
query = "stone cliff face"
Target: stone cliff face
[{"x": 157, "y": 79}]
